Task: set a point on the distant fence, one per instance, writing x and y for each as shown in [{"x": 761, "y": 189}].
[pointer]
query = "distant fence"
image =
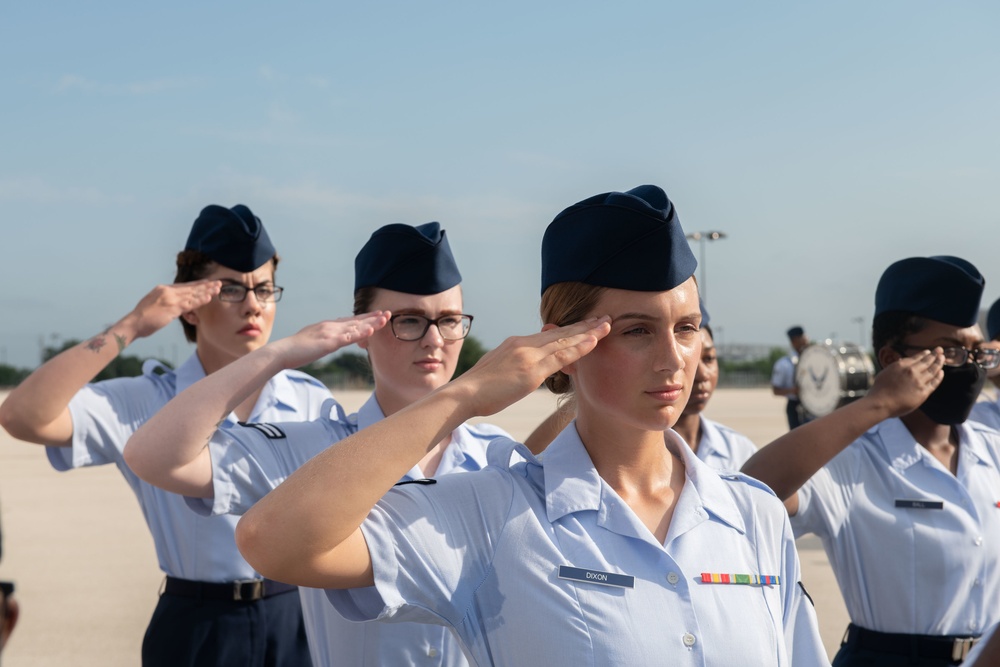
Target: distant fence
[{"x": 744, "y": 379}]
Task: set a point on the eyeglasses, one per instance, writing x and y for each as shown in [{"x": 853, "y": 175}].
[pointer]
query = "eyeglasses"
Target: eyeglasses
[
  {"x": 414, "y": 327},
  {"x": 232, "y": 293},
  {"x": 959, "y": 356}
]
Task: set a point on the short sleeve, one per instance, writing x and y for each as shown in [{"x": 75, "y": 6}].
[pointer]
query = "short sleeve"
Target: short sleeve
[
  {"x": 825, "y": 499},
  {"x": 105, "y": 415},
  {"x": 431, "y": 546},
  {"x": 801, "y": 627},
  {"x": 249, "y": 460}
]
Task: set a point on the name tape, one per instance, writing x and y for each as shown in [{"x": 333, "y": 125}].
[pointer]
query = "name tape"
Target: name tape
[{"x": 596, "y": 577}]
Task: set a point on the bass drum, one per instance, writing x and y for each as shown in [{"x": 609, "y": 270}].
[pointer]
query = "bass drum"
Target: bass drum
[{"x": 831, "y": 375}]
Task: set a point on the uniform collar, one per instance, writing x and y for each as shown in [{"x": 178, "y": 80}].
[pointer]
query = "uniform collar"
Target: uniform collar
[
  {"x": 463, "y": 451},
  {"x": 573, "y": 485},
  {"x": 277, "y": 393},
  {"x": 902, "y": 449},
  {"x": 710, "y": 440}
]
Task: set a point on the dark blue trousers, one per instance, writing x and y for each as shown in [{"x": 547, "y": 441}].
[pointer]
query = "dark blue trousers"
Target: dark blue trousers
[{"x": 187, "y": 632}]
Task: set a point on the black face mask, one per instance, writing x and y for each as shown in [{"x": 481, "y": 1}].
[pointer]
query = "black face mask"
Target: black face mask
[{"x": 953, "y": 399}]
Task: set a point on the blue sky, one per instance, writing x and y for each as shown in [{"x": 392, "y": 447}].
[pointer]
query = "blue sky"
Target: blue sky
[{"x": 826, "y": 139}]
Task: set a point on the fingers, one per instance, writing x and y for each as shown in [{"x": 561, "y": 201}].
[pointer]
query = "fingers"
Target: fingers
[
  {"x": 568, "y": 344},
  {"x": 362, "y": 326}
]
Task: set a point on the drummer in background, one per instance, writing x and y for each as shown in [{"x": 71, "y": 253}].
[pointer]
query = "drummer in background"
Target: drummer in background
[
  {"x": 902, "y": 490},
  {"x": 783, "y": 377},
  {"x": 988, "y": 411}
]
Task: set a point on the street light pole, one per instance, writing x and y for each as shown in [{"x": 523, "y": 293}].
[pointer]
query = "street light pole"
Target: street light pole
[{"x": 701, "y": 238}]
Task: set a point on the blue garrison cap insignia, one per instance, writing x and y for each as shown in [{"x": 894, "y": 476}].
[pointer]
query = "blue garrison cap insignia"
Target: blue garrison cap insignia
[
  {"x": 626, "y": 240},
  {"x": 233, "y": 237},
  {"x": 414, "y": 260},
  {"x": 942, "y": 288}
]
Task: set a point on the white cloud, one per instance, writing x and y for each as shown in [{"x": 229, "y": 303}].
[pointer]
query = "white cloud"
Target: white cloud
[{"x": 72, "y": 82}]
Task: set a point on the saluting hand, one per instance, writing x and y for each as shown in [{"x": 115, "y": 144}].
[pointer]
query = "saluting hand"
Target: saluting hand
[
  {"x": 165, "y": 303},
  {"x": 318, "y": 340},
  {"x": 903, "y": 386},
  {"x": 520, "y": 364}
]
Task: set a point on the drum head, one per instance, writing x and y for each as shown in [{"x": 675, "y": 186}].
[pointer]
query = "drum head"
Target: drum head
[{"x": 829, "y": 376}]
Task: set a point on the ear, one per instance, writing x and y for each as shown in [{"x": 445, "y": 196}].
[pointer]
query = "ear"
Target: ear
[
  {"x": 887, "y": 355},
  {"x": 190, "y": 317},
  {"x": 363, "y": 343}
]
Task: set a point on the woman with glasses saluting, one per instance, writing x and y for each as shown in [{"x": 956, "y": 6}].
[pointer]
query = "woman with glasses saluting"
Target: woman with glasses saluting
[
  {"x": 409, "y": 277},
  {"x": 906, "y": 501},
  {"x": 215, "y": 609}
]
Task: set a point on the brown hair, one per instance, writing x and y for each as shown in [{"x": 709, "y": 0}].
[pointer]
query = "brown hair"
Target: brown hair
[
  {"x": 363, "y": 299},
  {"x": 562, "y": 304},
  {"x": 194, "y": 265}
]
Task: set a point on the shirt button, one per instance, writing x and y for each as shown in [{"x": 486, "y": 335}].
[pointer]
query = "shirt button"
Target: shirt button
[
  {"x": 688, "y": 639},
  {"x": 979, "y": 582},
  {"x": 672, "y": 578},
  {"x": 978, "y": 541},
  {"x": 432, "y": 653}
]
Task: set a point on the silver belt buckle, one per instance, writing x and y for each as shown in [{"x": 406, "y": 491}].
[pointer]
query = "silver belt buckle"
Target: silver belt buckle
[
  {"x": 256, "y": 590},
  {"x": 961, "y": 646}
]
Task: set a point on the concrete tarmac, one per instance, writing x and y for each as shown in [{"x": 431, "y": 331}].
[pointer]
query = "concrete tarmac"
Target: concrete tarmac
[{"x": 87, "y": 579}]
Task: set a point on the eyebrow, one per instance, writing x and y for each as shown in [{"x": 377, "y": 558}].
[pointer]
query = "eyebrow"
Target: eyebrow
[
  {"x": 652, "y": 318},
  {"x": 422, "y": 312},
  {"x": 233, "y": 281}
]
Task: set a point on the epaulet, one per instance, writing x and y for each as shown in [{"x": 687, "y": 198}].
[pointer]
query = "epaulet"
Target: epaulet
[
  {"x": 734, "y": 476},
  {"x": 299, "y": 376},
  {"x": 500, "y": 451},
  {"x": 485, "y": 431},
  {"x": 155, "y": 367}
]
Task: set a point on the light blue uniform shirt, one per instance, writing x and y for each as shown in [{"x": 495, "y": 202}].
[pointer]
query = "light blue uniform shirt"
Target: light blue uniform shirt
[
  {"x": 723, "y": 448},
  {"x": 482, "y": 553},
  {"x": 247, "y": 462},
  {"x": 106, "y": 414},
  {"x": 987, "y": 412},
  {"x": 913, "y": 547}
]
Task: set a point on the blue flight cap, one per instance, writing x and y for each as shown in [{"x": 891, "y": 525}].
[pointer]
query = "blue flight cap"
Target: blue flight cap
[
  {"x": 233, "y": 237},
  {"x": 993, "y": 321},
  {"x": 942, "y": 288},
  {"x": 414, "y": 260},
  {"x": 705, "y": 318},
  {"x": 795, "y": 332},
  {"x": 627, "y": 240}
]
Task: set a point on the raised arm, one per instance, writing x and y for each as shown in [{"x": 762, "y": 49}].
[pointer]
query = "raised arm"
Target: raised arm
[
  {"x": 37, "y": 410},
  {"x": 171, "y": 449},
  {"x": 788, "y": 462},
  {"x": 304, "y": 534}
]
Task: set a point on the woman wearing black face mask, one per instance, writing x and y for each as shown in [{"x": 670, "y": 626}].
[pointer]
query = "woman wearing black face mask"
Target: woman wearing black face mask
[{"x": 902, "y": 490}]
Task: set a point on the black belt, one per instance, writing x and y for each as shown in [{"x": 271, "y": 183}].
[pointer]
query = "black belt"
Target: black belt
[
  {"x": 244, "y": 590},
  {"x": 925, "y": 646}
]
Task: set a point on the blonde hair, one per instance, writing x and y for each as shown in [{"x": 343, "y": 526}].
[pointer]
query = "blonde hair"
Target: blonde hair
[{"x": 562, "y": 304}]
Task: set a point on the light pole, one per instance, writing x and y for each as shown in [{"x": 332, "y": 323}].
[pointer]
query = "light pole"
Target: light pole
[
  {"x": 701, "y": 238},
  {"x": 860, "y": 321}
]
